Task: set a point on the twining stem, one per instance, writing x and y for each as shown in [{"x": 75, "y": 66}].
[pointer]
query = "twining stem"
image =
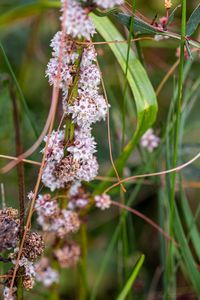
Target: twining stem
[
  {"x": 170, "y": 276},
  {"x": 20, "y": 174}
]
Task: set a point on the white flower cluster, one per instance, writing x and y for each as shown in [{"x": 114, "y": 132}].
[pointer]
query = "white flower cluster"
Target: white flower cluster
[
  {"x": 52, "y": 218},
  {"x": 28, "y": 266},
  {"x": 102, "y": 201},
  {"x": 78, "y": 199},
  {"x": 6, "y": 293},
  {"x": 28, "y": 270},
  {"x": 89, "y": 106},
  {"x": 45, "y": 273},
  {"x": 79, "y": 165},
  {"x": 78, "y": 24},
  {"x": 84, "y": 109},
  {"x": 149, "y": 140}
]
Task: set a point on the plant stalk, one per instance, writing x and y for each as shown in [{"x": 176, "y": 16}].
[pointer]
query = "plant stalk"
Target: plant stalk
[{"x": 171, "y": 277}]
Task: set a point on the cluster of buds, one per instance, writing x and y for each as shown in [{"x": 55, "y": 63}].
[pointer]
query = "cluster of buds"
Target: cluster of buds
[
  {"x": 149, "y": 140},
  {"x": 54, "y": 219}
]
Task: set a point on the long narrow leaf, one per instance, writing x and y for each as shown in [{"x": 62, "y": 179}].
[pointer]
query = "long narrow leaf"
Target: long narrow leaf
[
  {"x": 132, "y": 278},
  {"x": 193, "y": 21}
]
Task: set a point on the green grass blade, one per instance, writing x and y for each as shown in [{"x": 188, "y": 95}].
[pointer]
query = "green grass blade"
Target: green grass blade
[{"x": 132, "y": 278}]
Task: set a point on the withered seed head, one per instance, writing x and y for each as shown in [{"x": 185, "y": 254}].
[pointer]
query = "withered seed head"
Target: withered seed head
[
  {"x": 9, "y": 232},
  {"x": 28, "y": 282},
  {"x": 9, "y": 212},
  {"x": 67, "y": 169},
  {"x": 33, "y": 245}
]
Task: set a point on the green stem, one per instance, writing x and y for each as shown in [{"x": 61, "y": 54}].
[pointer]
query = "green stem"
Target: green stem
[{"x": 170, "y": 280}]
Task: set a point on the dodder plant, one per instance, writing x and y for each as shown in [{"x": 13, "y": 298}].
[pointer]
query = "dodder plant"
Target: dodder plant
[{"x": 69, "y": 162}]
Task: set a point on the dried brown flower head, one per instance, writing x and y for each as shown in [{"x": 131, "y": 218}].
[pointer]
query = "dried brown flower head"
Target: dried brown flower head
[
  {"x": 9, "y": 228},
  {"x": 9, "y": 212},
  {"x": 67, "y": 169},
  {"x": 33, "y": 245},
  {"x": 28, "y": 282}
]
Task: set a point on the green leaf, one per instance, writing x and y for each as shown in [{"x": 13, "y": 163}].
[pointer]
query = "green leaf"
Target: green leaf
[
  {"x": 193, "y": 21},
  {"x": 145, "y": 98},
  {"x": 171, "y": 16},
  {"x": 142, "y": 28},
  {"x": 139, "y": 26},
  {"x": 132, "y": 278}
]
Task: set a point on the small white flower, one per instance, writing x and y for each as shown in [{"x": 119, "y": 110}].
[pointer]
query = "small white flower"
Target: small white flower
[
  {"x": 30, "y": 195},
  {"x": 84, "y": 145},
  {"x": 103, "y": 201},
  {"x": 108, "y": 3},
  {"x": 149, "y": 140},
  {"x": 6, "y": 293},
  {"x": 88, "y": 169},
  {"x": 45, "y": 273}
]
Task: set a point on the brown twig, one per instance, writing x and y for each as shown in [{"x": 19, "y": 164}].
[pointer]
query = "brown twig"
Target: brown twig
[
  {"x": 176, "y": 169},
  {"x": 115, "y": 41},
  {"x": 146, "y": 219},
  {"x": 32, "y": 162}
]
